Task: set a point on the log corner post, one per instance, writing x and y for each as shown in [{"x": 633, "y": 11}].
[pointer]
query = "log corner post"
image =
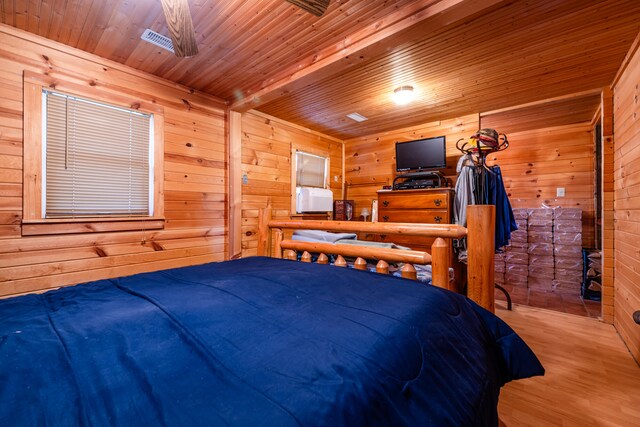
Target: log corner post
[
  {"x": 481, "y": 223},
  {"x": 440, "y": 263},
  {"x": 264, "y": 232}
]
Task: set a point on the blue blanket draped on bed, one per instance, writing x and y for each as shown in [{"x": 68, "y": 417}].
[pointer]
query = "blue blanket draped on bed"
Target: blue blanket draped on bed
[{"x": 254, "y": 342}]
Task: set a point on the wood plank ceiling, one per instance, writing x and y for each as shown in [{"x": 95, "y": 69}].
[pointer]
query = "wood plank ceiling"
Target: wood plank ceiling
[
  {"x": 553, "y": 112},
  {"x": 522, "y": 52},
  {"x": 462, "y": 56}
]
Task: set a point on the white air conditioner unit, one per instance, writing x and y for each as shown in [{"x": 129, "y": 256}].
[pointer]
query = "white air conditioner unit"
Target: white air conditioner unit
[{"x": 313, "y": 200}]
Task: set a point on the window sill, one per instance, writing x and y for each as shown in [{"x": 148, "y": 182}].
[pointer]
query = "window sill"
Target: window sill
[{"x": 41, "y": 227}]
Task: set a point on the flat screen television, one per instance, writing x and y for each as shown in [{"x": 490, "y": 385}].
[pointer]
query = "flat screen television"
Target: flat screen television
[{"x": 421, "y": 154}]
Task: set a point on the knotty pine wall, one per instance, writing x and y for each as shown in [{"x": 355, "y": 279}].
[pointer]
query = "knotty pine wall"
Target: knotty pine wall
[
  {"x": 267, "y": 144},
  {"x": 539, "y": 161},
  {"x": 194, "y": 167},
  {"x": 370, "y": 160},
  {"x": 626, "y": 144},
  {"x": 536, "y": 162}
]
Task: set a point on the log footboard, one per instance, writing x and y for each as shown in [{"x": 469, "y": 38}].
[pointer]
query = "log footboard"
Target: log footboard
[{"x": 480, "y": 247}]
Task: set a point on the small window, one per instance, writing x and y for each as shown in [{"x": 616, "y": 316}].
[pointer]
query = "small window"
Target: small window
[
  {"x": 311, "y": 170},
  {"x": 97, "y": 159}
]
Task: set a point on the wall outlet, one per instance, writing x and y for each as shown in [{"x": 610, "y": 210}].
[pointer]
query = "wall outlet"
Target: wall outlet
[
  {"x": 335, "y": 178},
  {"x": 560, "y": 192}
]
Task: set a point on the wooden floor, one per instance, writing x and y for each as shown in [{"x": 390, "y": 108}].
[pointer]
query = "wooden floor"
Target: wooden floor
[
  {"x": 591, "y": 379},
  {"x": 564, "y": 302}
]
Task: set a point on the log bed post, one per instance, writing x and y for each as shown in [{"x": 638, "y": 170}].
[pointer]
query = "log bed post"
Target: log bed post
[
  {"x": 481, "y": 220},
  {"x": 440, "y": 263},
  {"x": 409, "y": 272},
  {"x": 277, "y": 249},
  {"x": 264, "y": 232},
  {"x": 290, "y": 255},
  {"x": 382, "y": 267},
  {"x": 340, "y": 261}
]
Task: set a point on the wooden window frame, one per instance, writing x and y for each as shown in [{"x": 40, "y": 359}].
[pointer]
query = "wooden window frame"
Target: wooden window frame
[{"x": 33, "y": 220}]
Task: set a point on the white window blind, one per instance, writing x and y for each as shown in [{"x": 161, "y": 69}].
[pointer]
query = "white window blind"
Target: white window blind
[
  {"x": 310, "y": 170},
  {"x": 97, "y": 159}
]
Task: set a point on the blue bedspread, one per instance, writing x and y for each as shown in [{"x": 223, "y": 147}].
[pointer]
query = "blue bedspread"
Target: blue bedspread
[{"x": 254, "y": 342}]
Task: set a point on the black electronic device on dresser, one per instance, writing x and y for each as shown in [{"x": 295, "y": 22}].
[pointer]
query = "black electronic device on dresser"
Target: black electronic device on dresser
[
  {"x": 418, "y": 180},
  {"x": 418, "y": 163},
  {"x": 416, "y": 185}
]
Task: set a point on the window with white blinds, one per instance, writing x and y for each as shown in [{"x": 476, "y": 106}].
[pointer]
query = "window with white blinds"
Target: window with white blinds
[
  {"x": 311, "y": 170},
  {"x": 97, "y": 159}
]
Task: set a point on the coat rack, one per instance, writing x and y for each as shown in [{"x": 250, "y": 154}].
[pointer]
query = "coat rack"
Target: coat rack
[{"x": 479, "y": 149}]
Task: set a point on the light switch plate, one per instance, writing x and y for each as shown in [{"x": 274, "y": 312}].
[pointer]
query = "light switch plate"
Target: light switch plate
[{"x": 560, "y": 191}]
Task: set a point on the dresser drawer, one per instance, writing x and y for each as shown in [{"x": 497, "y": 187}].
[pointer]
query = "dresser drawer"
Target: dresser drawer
[
  {"x": 412, "y": 201},
  {"x": 372, "y": 237},
  {"x": 416, "y": 243},
  {"x": 427, "y": 216}
]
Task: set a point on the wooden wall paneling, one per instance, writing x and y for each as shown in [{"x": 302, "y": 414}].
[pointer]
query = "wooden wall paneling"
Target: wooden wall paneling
[
  {"x": 32, "y": 179},
  {"x": 267, "y": 144},
  {"x": 559, "y": 111},
  {"x": 11, "y": 180},
  {"x": 539, "y": 161},
  {"x": 235, "y": 184},
  {"x": 18, "y": 275},
  {"x": 60, "y": 60},
  {"x": 11, "y": 158},
  {"x": 158, "y": 161},
  {"x": 608, "y": 213},
  {"x": 97, "y": 240},
  {"x": 370, "y": 160},
  {"x": 195, "y": 187},
  {"x": 182, "y": 259},
  {"x": 625, "y": 201}
]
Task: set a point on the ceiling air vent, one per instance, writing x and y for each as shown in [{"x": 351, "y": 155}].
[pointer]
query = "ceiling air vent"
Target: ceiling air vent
[
  {"x": 357, "y": 117},
  {"x": 157, "y": 39}
]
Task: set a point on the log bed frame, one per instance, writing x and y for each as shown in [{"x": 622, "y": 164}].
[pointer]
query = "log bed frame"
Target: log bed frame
[{"x": 480, "y": 247}]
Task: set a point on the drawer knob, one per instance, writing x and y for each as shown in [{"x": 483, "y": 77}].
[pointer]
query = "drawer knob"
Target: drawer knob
[
  {"x": 385, "y": 218},
  {"x": 438, "y": 219},
  {"x": 383, "y": 236},
  {"x": 438, "y": 202},
  {"x": 385, "y": 203}
]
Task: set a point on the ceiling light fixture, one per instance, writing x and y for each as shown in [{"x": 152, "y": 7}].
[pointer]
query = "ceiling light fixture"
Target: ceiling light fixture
[{"x": 403, "y": 95}]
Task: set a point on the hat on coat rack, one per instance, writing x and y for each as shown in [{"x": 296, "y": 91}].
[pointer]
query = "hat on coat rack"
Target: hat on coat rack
[
  {"x": 483, "y": 141},
  {"x": 487, "y": 138}
]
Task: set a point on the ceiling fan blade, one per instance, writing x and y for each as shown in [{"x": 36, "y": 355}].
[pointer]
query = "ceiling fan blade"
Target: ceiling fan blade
[
  {"x": 317, "y": 7},
  {"x": 178, "y": 17}
]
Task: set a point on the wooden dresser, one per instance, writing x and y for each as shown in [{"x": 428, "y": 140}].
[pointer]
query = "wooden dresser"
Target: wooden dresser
[{"x": 430, "y": 206}]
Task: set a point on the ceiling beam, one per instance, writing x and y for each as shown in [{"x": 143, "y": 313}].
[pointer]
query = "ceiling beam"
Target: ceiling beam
[
  {"x": 180, "y": 26},
  {"x": 627, "y": 59},
  {"x": 385, "y": 34},
  {"x": 567, "y": 97},
  {"x": 317, "y": 7}
]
